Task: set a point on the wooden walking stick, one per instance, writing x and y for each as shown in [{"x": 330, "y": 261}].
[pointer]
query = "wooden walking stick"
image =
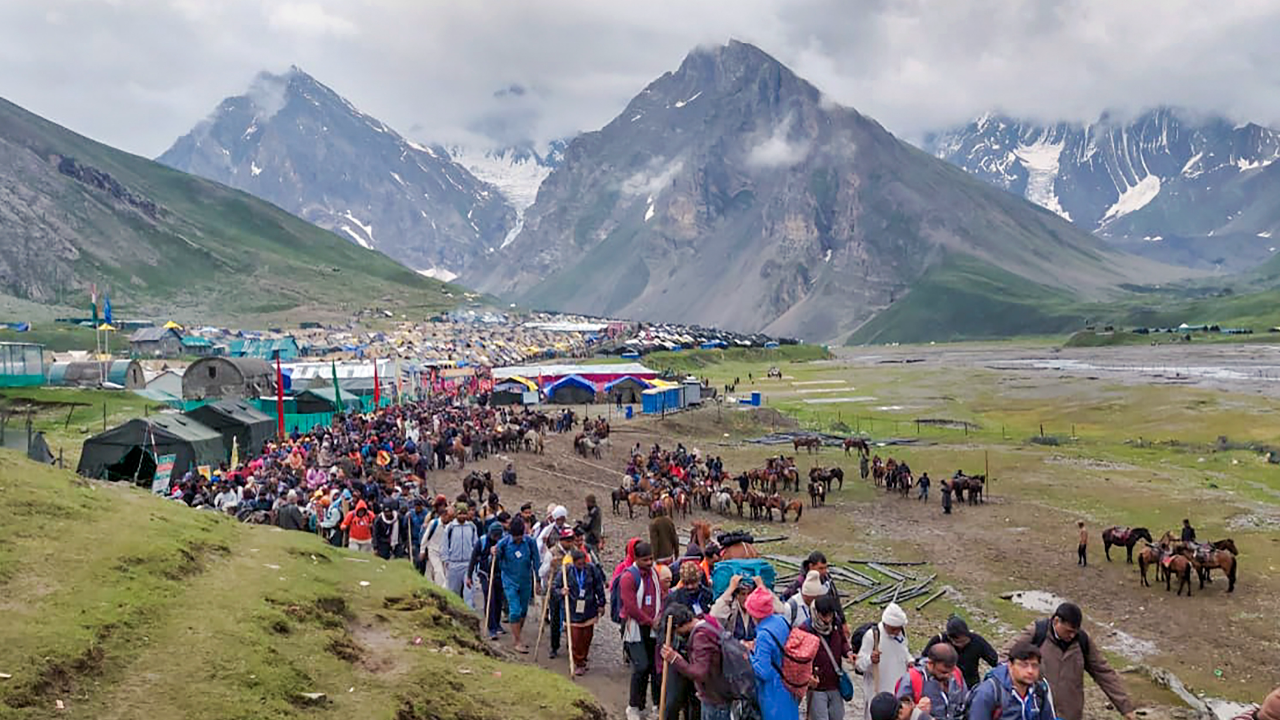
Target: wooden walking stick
[
  {"x": 568, "y": 616},
  {"x": 488, "y": 598},
  {"x": 666, "y": 667},
  {"x": 542, "y": 621}
]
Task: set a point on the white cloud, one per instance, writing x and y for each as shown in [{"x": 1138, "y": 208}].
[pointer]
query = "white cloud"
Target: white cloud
[
  {"x": 654, "y": 179},
  {"x": 309, "y": 19},
  {"x": 912, "y": 65},
  {"x": 778, "y": 150}
]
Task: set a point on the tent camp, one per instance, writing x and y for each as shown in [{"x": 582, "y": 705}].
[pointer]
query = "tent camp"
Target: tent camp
[
  {"x": 571, "y": 390},
  {"x": 322, "y": 400},
  {"x": 237, "y": 420},
  {"x": 125, "y": 452},
  {"x": 628, "y": 388},
  {"x": 217, "y": 377},
  {"x": 125, "y": 373}
]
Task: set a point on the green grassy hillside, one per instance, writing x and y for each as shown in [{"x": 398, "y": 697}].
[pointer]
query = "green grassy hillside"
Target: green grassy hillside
[
  {"x": 202, "y": 251},
  {"x": 121, "y": 605}
]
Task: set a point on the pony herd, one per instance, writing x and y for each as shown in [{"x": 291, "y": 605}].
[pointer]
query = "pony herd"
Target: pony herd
[{"x": 1173, "y": 558}]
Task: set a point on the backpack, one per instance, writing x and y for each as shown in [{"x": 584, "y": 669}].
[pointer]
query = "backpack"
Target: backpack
[
  {"x": 855, "y": 640},
  {"x": 916, "y": 678},
  {"x": 615, "y": 597},
  {"x": 735, "y": 667},
  {"x": 1042, "y": 633},
  {"x": 1041, "y": 689},
  {"x": 726, "y": 569},
  {"x": 798, "y": 653}
]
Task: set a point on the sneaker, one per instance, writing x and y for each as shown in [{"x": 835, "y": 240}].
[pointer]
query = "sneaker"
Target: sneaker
[
  {"x": 554, "y": 654},
  {"x": 633, "y": 713}
]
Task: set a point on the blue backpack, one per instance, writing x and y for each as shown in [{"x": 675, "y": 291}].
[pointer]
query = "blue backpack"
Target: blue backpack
[
  {"x": 615, "y": 598},
  {"x": 726, "y": 569}
]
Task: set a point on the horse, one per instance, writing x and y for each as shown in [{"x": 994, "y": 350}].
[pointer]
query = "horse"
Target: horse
[
  {"x": 794, "y": 505},
  {"x": 1208, "y": 557},
  {"x": 700, "y": 533},
  {"x": 635, "y": 500},
  {"x": 1150, "y": 556},
  {"x": 856, "y": 443},
  {"x": 1177, "y": 564},
  {"x": 619, "y": 496},
  {"x": 817, "y": 493},
  {"x": 722, "y": 501},
  {"x": 973, "y": 483},
  {"x": 459, "y": 453},
  {"x": 739, "y": 551},
  {"x": 1126, "y": 537},
  {"x": 812, "y": 444},
  {"x": 775, "y": 502},
  {"x": 682, "y": 503},
  {"x": 533, "y": 441},
  {"x": 479, "y": 482}
]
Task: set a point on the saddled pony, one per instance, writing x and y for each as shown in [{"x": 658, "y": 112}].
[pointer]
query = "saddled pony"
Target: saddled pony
[
  {"x": 1206, "y": 558},
  {"x": 1178, "y": 564},
  {"x": 1150, "y": 556},
  {"x": 971, "y": 483},
  {"x": 478, "y": 482},
  {"x": 619, "y": 496},
  {"x": 1125, "y": 537},
  {"x": 794, "y": 506},
  {"x": 739, "y": 551},
  {"x": 812, "y": 444},
  {"x": 856, "y": 444}
]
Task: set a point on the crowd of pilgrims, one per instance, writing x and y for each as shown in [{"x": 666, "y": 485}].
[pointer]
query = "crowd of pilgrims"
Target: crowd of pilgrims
[{"x": 362, "y": 483}]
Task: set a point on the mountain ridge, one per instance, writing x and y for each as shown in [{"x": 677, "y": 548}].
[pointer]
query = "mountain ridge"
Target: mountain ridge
[
  {"x": 731, "y": 192},
  {"x": 300, "y": 145}
]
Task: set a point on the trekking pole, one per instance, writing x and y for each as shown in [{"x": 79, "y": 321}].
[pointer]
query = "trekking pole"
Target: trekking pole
[
  {"x": 542, "y": 622},
  {"x": 488, "y": 594},
  {"x": 568, "y": 618},
  {"x": 666, "y": 669}
]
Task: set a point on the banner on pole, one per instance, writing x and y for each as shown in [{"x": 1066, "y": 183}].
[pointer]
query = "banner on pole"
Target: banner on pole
[{"x": 164, "y": 471}]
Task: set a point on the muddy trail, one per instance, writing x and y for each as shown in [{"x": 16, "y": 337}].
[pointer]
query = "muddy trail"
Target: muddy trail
[{"x": 980, "y": 552}]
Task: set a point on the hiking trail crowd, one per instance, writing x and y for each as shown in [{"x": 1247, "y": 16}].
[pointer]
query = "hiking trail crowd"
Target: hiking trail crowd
[{"x": 729, "y": 644}]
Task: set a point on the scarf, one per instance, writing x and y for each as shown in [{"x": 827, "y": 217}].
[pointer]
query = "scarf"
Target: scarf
[
  {"x": 395, "y": 529},
  {"x": 820, "y": 626},
  {"x": 627, "y": 562}
]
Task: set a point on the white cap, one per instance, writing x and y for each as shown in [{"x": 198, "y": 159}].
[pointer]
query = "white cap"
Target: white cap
[
  {"x": 559, "y": 513},
  {"x": 893, "y": 616}
]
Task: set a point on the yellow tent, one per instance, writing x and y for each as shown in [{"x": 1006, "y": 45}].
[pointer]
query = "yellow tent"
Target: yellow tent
[
  {"x": 105, "y": 327},
  {"x": 171, "y": 325},
  {"x": 524, "y": 381},
  {"x": 663, "y": 384}
]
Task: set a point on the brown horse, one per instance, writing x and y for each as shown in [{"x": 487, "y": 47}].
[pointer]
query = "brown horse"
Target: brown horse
[
  {"x": 793, "y": 506},
  {"x": 1179, "y": 565},
  {"x": 1150, "y": 556},
  {"x": 479, "y": 482},
  {"x": 1208, "y": 557},
  {"x": 817, "y": 493},
  {"x": 856, "y": 443},
  {"x": 739, "y": 551},
  {"x": 700, "y": 533},
  {"x": 635, "y": 500},
  {"x": 619, "y": 496},
  {"x": 812, "y": 444},
  {"x": 1125, "y": 537}
]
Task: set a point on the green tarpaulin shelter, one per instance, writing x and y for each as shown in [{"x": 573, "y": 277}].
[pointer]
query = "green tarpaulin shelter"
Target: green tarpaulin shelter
[
  {"x": 237, "y": 419},
  {"x": 125, "y": 452}
]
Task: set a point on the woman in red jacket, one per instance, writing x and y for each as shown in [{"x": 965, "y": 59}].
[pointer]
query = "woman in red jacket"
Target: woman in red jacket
[{"x": 359, "y": 523}]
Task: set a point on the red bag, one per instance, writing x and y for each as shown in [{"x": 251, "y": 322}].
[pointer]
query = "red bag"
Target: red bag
[{"x": 797, "y": 660}]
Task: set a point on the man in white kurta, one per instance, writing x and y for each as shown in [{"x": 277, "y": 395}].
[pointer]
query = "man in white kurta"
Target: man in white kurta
[{"x": 885, "y": 662}]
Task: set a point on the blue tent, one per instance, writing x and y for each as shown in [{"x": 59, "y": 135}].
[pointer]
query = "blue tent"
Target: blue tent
[{"x": 571, "y": 390}]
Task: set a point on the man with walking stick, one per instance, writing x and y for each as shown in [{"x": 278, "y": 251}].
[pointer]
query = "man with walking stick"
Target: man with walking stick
[
  {"x": 582, "y": 585},
  {"x": 640, "y": 595},
  {"x": 485, "y": 561}
]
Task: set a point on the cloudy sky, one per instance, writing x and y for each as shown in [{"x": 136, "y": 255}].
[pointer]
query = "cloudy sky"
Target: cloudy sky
[{"x": 139, "y": 73}]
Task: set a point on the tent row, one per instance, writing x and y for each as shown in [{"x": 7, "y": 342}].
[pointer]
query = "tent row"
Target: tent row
[
  {"x": 570, "y": 390},
  {"x": 203, "y": 436}
]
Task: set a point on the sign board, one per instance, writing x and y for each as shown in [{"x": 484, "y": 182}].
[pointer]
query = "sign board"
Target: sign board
[
  {"x": 529, "y": 397},
  {"x": 206, "y": 471},
  {"x": 164, "y": 471}
]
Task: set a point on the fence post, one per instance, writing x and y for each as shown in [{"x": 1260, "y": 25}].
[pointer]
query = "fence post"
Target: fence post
[
  {"x": 104, "y": 417},
  {"x": 1041, "y": 429},
  {"x": 917, "y": 426}
]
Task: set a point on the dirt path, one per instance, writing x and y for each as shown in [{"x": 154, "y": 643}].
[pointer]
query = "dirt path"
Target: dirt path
[{"x": 1007, "y": 544}]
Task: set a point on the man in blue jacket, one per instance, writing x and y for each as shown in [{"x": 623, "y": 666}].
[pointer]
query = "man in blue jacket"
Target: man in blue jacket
[
  {"x": 585, "y": 596},
  {"x": 1014, "y": 690},
  {"x": 518, "y": 563}
]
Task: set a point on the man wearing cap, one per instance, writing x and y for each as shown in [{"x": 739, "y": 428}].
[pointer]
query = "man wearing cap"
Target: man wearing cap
[
  {"x": 459, "y": 540},
  {"x": 518, "y": 562},
  {"x": 970, "y": 648},
  {"x": 800, "y": 606},
  {"x": 640, "y": 591},
  {"x": 550, "y": 532},
  {"x": 289, "y": 516},
  {"x": 432, "y": 545},
  {"x": 555, "y": 608},
  {"x": 884, "y": 657},
  {"x": 495, "y": 598}
]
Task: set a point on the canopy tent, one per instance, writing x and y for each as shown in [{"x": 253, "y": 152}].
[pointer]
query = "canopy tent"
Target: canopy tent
[
  {"x": 516, "y": 383},
  {"x": 571, "y": 390},
  {"x": 125, "y": 452},
  {"x": 628, "y": 388},
  {"x": 237, "y": 420}
]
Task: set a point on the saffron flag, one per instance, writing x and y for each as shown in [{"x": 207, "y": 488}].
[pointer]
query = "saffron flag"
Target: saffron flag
[
  {"x": 377, "y": 386},
  {"x": 279, "y": 400},
  {"x": 337, "y": 391}
]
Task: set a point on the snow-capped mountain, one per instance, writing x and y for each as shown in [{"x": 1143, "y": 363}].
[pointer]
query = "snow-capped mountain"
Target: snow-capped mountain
[
  {"x": 296, "y": 143},
  {"x": 1160, "y": 183},
  {"x": 517, "y": 172}
]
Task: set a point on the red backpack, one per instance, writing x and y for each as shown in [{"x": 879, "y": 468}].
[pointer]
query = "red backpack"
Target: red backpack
[
  {"x": 917, "y": 681},
  {"x": 797, "y": 660}
]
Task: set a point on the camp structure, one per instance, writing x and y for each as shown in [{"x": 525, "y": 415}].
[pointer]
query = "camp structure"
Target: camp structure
[
  {"x": 322, "y": 400},
  {"x": 571, "y": 390},
  {"x": 129, "y": 451},
  {"x": 626, "y": 389},
  {"x": 513, "y": 391},
  {"x": 127, "y": 374},
  {"x": 662, "y": 399},
  {"x": 228, "y": 377},
  {"x": 236, "y": 420},
  {"x": 21, "y": 364},
  {"x": 156, "y": 342}
]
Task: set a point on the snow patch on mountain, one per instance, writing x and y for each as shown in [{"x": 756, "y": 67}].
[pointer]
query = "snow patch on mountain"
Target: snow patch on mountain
[
  {"x": 1134, "y": 198},
  {"x": 1041, "y": 161},
  {"x": 357, "y": 237},
  {"x": 439, "y": 273}
]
